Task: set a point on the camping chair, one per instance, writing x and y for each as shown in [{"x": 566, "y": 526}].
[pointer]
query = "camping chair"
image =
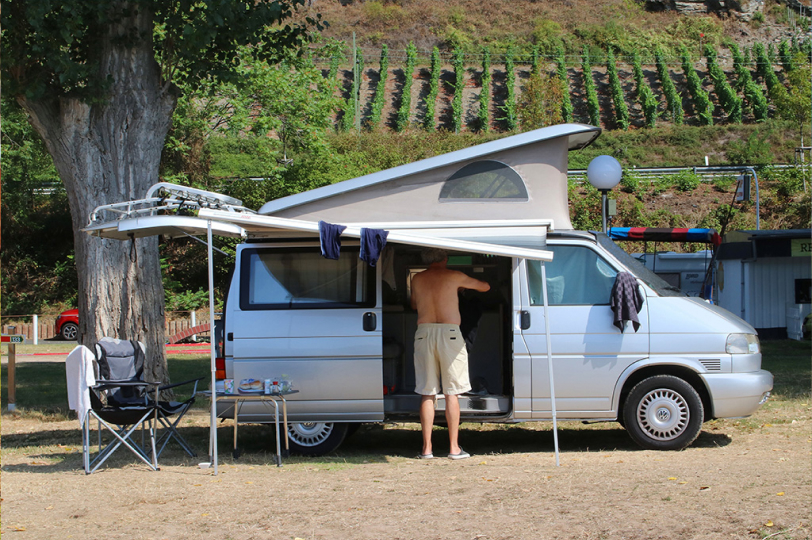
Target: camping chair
[
  {"x": 168, "y": 409},
  {"x": 165, "y": 410},
  {"x": 111, "y": 390}
]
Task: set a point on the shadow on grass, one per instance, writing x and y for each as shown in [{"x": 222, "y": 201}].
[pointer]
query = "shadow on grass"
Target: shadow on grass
[{"x": 371, "y": 444}]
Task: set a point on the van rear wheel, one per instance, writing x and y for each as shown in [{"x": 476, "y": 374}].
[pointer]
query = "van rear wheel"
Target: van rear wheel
[
  {"x": 316, "y": 438},
  {"x": 663, "y": 413}
]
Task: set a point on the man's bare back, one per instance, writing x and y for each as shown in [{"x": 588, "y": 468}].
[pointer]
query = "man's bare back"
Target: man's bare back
[{"x": 434, "y": 293}]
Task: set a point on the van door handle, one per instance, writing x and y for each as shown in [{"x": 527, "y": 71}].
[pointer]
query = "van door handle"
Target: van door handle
[
  {"x": 524, "y": 320},
  {"x": 370, "y": 321}
]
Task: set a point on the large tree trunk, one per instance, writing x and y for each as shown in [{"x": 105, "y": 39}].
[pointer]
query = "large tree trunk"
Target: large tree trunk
[{"x": 105, "y": 153}]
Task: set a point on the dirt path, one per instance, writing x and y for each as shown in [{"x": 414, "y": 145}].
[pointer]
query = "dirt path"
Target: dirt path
[{"x": 741, "y": 480}]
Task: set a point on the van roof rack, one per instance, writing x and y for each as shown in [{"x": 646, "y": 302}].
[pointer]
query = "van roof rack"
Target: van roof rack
[{"x": 167, "y": 198}]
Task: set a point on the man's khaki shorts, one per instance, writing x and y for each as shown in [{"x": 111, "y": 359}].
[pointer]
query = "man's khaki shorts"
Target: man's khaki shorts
[{"x": 439, "y": 353}]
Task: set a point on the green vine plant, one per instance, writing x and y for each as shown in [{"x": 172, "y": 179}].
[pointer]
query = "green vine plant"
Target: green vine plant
[
  {"x": 728, "y": 99},
  {"x": 785, "y": 54},
  {"x": 673, "y": 99},
  {"x": 764, "y": 69},
  {"x": 509, "y": 108},
  {"x": 752, "y": 92},
  {"x": 483, "y": 115},
  {"x": 380, "y": 91},
  {"x": 702, "y": 103},
  {"x": 561, "y": 68},
  {"x": 459, "y": 85},
  {"x": 616, "y": 89},
  {"x": 645, "y": 95},
  {"x": 434, "y": 89},
  {"x": 406, "y": 95},
  {"x": 591, "y": 92}
]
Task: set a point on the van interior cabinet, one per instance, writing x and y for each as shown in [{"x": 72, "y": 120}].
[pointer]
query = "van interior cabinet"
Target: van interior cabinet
[{"x": 485, "y": 325}]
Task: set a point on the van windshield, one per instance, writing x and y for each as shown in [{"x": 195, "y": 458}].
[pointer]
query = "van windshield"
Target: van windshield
[{"x": 660, "y": 286}]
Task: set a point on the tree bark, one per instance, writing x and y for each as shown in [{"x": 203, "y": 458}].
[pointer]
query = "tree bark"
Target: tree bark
[{"x": 107, "y": 152}]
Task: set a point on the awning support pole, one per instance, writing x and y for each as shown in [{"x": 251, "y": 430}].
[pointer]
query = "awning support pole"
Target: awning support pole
[
  {"x": 213, "y": 419},
  {"x": 549, "y": 359}
]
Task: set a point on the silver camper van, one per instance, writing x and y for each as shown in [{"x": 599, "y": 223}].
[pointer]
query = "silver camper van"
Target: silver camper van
[{"x": 341, "y": 330}]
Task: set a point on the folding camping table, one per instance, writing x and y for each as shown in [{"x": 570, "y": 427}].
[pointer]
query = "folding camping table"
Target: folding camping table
[{"x": 268, "y": 400}]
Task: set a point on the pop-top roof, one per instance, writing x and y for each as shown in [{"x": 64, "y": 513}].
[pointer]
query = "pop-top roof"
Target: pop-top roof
[{"x": 523, "y": 176}]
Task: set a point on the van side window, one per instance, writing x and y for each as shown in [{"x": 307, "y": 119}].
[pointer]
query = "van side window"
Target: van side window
[
  {"x": 483, "y": 181},
  {"x": 300, "y": 278},
  {"x": 576, "y": 276}
]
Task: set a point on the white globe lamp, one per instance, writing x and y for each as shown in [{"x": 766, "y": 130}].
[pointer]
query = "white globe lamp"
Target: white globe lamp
[{"x": 604, "y": 173}]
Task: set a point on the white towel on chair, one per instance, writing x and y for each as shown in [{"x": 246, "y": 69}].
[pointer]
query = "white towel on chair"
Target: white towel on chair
[{"x": 80, "y": 375}]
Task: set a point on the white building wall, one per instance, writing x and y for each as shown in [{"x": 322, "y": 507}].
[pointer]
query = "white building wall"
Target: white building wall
[{"x": 771, "y": 289}]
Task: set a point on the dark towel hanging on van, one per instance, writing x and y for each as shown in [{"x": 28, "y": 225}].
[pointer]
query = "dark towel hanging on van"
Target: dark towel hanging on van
[
  {"x": 372, "y": 243},
  {"x": 330, "y": 239},
  {"x": 627, "y": 300}
]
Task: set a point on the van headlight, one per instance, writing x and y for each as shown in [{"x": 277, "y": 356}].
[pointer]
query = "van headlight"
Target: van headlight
[{"x": 742, "y": 344}]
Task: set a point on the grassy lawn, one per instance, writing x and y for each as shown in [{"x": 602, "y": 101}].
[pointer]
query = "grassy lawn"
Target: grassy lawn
[{"x": 42, "y": 387}]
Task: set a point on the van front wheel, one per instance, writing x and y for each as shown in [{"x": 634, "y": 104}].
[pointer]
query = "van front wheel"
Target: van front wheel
[
  {"x": 663, "y": 413},
  {"x": 316, "y": 438}
]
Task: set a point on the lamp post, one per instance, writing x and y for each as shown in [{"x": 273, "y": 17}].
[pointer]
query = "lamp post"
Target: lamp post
[{"x": 604, "y": 173}]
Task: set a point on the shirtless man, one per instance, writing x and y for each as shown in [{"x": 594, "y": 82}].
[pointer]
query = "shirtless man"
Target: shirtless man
[{"x": 439, "y": 347}]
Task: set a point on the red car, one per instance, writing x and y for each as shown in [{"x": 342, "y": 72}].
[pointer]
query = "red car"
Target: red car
[{"x": 67, "y": 324}]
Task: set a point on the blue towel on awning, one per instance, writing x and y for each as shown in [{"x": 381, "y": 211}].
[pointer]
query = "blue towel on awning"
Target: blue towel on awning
[
  {"x": 372, "y": 243},
  {"x": 330, "y": 239}
]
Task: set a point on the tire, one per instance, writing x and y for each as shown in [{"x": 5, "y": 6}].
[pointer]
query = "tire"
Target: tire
[
  {"x": 316, "y": 438},
  {"x": 663, "y": 413},
  {"x": 69, "y": 331}
]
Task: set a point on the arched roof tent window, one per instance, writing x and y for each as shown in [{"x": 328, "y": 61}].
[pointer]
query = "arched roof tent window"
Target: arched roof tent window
[{"x": 482, "y": 181}]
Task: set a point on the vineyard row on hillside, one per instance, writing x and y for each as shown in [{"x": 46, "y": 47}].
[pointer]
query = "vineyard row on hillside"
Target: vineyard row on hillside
[{"x": 619, "y": 93}]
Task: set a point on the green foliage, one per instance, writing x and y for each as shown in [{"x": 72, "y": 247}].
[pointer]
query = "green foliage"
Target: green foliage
[
  {"x": 380, "y": 91},
  {"x": 771, "y": 54},
  {"x": 545, "y": 37},
  {"x": 764, "y": 68},
  {"x": 510, "y": 117},
  {"x": 591, "y": 92},
  {"x": 672, "y": 97},
  {"x": 794, "y": 103},
  {"x": 644, "y": 93},
  {"x": 585, "y": 205},
  {"x": 37, "y": 255},
  {"x": 52, "y": 49},
  {"x": 540, "y": 103},
  {"x": 752, "y": 92},
  {"x": 785, "y": 53},
  {"x": 630, "y": 181},
  {"x": 434, "y": 89},
  {"x": 702, "y": 103},
  {"x": 534, "y": 61},
  {"x": 616, "y": 89},
  {"x": 292, "y": 101},
  {"x": 459, "y": 85},
  {"x": 723, "y": 183},
  {"x": 788, "y": 182},
  {"x": 730, "y": 102},
  {"x": 484, "y": 114},
  {"x": 335, "y": 60},
  {"x": 404, "y": 111},
  {"x": 686, "y": 181},
  {"x": 176, "y": 298},
  {"x": 566, "y": 102}
]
